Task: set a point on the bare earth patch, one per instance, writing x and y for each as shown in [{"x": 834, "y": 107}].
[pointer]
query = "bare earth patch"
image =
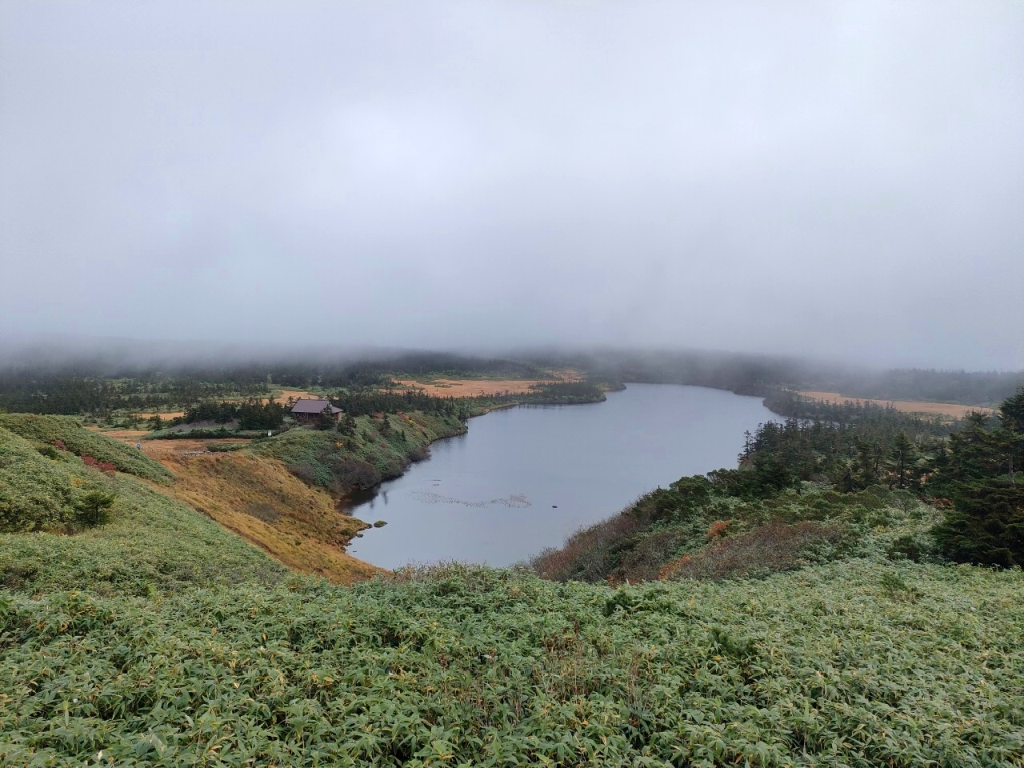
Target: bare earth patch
[{"x": 908, "y": 406}]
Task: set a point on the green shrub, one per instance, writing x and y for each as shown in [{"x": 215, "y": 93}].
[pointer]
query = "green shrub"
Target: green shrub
[
  {"x": 916, "y": 547},
  {"x": 895, "y": 587}
]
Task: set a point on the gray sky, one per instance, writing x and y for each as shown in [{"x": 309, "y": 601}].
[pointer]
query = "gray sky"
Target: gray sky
[{"x": 835, "y": 179}]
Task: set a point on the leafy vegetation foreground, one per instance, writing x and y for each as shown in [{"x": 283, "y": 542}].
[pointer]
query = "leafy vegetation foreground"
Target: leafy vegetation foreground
[{"x": 844, "y": 664}]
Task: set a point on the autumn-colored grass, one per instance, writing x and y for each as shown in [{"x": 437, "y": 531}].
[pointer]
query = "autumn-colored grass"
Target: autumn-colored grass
[
  {"x": 165, "y": 415},
  {"x": 295, "y": 394},
  {"x": 954, "y": 410},
  {"x": 258, "y": 499},
  {"x": 483, "y": 387},
  {"x": 124, "y": 435},
  {"x": 769, "y": 548}
]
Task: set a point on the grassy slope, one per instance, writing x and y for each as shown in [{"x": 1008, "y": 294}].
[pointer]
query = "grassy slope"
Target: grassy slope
[
  {"x": 153, "y": 543},
  {"x": 37, "y": 493},
  {"x": 261, "y": 501},
  {"x": 832, "y": 665},
  {"x": 46, "y": 430},
  {"x": 667, "y": 534}
]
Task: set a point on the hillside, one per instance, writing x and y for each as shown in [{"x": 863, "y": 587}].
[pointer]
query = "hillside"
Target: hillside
[
  {"x": 66, "y": 433},
  {"x": 152, "y": 544},
  {"x": 256, "y": 498},
  {"x": 377, "y": 447},
  {"x": 261, "y": 501}
]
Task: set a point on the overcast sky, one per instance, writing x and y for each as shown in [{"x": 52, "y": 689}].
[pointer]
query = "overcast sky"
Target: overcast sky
[{"x": 837, "y": 179}]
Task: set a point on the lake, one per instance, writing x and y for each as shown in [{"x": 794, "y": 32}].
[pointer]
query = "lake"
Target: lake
[{"x": 525, "y": 478}]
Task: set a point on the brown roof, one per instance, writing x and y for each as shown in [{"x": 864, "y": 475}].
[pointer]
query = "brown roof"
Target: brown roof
[{"x": 308, "y": 405}]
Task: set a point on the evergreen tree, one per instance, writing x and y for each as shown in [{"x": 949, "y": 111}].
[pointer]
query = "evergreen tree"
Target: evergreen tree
[
  {"x": 94, "y": 506},
  {"x": 326, "y": 420},
  {"x": 902, "y": 458},
  {"x": 1012, "y": 412},
  {"x": 868, "y": 462},
  {"x": 347, "y": 425},
  {"x": 1011, "y": 433},
  {"x": 986, "y": 524}
]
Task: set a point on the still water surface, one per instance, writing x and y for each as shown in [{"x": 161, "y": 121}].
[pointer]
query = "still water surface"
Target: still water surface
[{"x": 525, "y": 478}]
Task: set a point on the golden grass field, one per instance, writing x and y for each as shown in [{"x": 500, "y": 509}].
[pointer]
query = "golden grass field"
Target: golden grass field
[
  {"x": 908, "y": 406},
  {"x": 165, "y": 415},
  {"x": 483, "y": 387},
  {"x": 295, "y": 394}
]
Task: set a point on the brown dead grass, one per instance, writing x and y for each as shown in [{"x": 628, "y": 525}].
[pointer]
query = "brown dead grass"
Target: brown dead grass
[
  {"x": 908, "y": 406},
  {"x": 771, "y": 548},
  {"x": 124, "y": 435},
  {"x": 295, "y": 394},
  {"x": 165, "y": 415},
  {"x": 259, "y": 500},
  {"x": 173, "y": 450},
  {"x": 483, "y": 387}
]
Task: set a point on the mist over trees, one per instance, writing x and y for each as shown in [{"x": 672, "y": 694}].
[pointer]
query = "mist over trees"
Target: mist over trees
[{"x": 102, "y": 386}]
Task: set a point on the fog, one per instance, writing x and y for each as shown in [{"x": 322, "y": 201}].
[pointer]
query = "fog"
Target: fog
[{"x": 841, "y": 180}]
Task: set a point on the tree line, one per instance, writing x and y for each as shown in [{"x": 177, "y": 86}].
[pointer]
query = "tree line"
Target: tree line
[
  {"x": 101, "y": 390},
  {"x": 252, "y": 413},
  {"x": 57, "y": 394},
  {"x": 971, "y": 468},
  {"x": 752, "y": 374}
]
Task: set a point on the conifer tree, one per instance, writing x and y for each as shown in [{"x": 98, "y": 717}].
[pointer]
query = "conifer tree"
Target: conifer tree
[
  {"x": 986, "y": 524},
  {"x": 901, "y": 460}
]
